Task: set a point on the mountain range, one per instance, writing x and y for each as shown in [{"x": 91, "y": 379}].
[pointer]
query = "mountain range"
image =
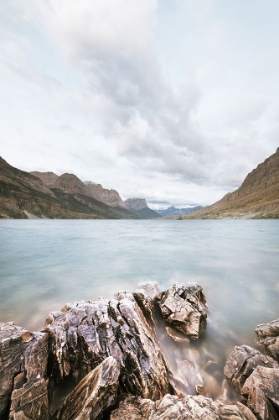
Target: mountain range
[
  {"x": 47, "y": 195},
  {"x": 257, "y": 197},
  {"x": 174, "y": 211}
]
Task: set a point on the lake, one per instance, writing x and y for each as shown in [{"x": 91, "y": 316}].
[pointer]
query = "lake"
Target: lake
[{"x": 46, "y": 263}]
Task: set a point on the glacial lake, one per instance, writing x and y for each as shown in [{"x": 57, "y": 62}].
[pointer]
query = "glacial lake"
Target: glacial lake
[{"x": 47, "y": 263}]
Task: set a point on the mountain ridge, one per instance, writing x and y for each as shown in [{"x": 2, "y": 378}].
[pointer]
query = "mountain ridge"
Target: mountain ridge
[{"x": 257, "y": 197}]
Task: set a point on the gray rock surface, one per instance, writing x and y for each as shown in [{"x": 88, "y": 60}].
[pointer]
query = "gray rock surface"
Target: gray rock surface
[
  {"x": 242, "y": 362},
  {"x": 268, "y": 337},
  {"x": 93, "y": 397},
  {"x": 184, "y": 307},
  {"x": 136, "y": 203},
  {"x": 84, "y": 334}
]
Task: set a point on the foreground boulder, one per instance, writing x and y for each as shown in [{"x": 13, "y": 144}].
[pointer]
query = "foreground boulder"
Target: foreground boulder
[
  {"x": 242, "y": 362},
  {"x": 173, "y": 408},
  {"x": 268, "y": 337},
  {"x": 256, "y": 377},
  {"x": 23, "y": 369},
  {"x": 84, "y": 334},
  {"x": 262, "y": 390},
  {"x": 183, "y": 306},
  {"x": 94, "y": 395}
]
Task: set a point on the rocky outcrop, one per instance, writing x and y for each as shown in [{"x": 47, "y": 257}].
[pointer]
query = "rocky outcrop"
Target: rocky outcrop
[
  {"x": 84, "y": 334},
  {"x": 256, "y": 377},
  {"x": 242, "y": 362},
  {"x": 268, "y": 337},
  {"x": 109, "y": 197},
  {"x": 23, "y": 374},
  {"x": 187, "y": 408},
  {"x": 95, "y": 395},
  {"x": 47, "y": 177},
  {"x": 184, "y": 307},
  {"x": 99, "y": 360}
]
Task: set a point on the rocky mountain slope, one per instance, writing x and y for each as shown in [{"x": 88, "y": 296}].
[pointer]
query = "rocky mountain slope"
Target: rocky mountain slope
[
  {"x": 140, "y": 205},
  {"x": 257, "y": 197},
  {"x": 51, "y": 196}
]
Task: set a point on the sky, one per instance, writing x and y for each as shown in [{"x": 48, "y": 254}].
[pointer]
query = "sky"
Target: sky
[{"x": 175, "y": 101}]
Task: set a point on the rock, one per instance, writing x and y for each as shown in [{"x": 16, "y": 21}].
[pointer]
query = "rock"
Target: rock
[
  {"x": 144, "y": 296},
  {"x": 95, "y": 395},
  {"x": 23, "y": 382},
  {"x": 242, "y": 362},
  {"x": 184, "y": 307},
  {"x": 187, "y": 408},
  {"x": 268, "y": 337},
  {"x": 84, "y": 334},
  {"x": 177, "y": 336},
  {"x": 262, "y": 390}
]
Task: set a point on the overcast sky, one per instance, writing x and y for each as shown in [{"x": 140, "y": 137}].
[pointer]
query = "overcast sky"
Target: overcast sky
[{"x": 171, "y": 100}]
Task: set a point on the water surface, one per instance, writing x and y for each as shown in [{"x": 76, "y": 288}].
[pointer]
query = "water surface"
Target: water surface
[{"x": 46, "y": 263}]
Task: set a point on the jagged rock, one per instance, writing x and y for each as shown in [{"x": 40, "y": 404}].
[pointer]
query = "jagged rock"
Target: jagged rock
[
  {"x": 268, "y": 336},
  {"x": 241, "y": 363},
  {"x": 262, "y": 389},
  {"x": 84, "y": 334},
  {"x": 94, "y": 396},
  {"x": 173, "y": 408},
  {"x": 144, "y": 296},
  {"x": 184, "y": 307},
  {"x": 23, "y": 383}
]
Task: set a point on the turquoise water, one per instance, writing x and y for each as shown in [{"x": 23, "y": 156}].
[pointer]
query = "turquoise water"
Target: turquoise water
[{"x": 44, "y": 264}]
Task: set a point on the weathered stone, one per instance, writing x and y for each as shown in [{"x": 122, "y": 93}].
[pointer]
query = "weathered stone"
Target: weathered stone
[
  {"x": 262, "y": 389},
  {"x": 84, "y": 334},
  {"x": 241, "y": 363},
  {"x": 184, "y": 307},
  {"x": 268, "y": 336},
  {"x": 94, "y": 396},
  {"x": 173, "y": 408},
  {"x": 30, "y": 393},
  {"x": 23, "y": 365}
]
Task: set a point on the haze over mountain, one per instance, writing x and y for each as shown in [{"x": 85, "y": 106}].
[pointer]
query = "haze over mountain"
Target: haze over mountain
[
  {"x": 140, "y": 205},
  {"x": 257, "y": 197},
  {"x": 173, "y": 211},
  {"x": 52, "y": 196}
]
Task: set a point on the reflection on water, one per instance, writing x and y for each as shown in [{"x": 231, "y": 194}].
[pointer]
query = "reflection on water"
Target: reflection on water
[{"x": 44, "y": 264}]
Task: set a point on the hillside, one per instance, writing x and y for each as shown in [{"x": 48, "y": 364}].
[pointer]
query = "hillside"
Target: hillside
[
  {"x": 67, "y": 197},
  {"x": 257, "y": 197}
]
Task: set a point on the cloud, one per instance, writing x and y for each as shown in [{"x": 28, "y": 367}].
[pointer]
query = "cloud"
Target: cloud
[{"x": 169, "y": 92}]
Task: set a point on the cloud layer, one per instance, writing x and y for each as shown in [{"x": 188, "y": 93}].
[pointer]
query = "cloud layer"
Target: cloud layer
[{"x": 174, "y": 101}]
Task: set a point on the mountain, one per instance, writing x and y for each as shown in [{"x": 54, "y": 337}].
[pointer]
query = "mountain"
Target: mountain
[
  {"x": 257, "y": 197},
  {"x": 110, "y": 197},
  {"x": 140, "y": 205},
  {"x": 48, "y": 178},
  {"x": 174, "y": 211},
  {"x": 64, "y": 197}
]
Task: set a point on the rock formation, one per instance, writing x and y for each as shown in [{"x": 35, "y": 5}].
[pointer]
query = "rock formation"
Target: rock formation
[
  {"x": 268, "y": 337},
  {"x": 48, "y": 178},
  {"x": 101, "y": 360},
  {"x": 109, "y": 197},
  {"x": 184, "y": 307}
]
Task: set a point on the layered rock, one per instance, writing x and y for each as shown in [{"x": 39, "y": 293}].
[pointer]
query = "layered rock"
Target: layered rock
[
  {"x": 140, "y": 206},
  {"x": 23, "y": 381},
  {"x": 95, "y": 395},
  {"x": 268, "y": 337},
  {"x": 184, "y": 307},
  {"x": 84, "y": 334}
]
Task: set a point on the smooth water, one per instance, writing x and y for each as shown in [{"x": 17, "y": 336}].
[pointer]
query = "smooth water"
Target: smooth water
[{"x": 44, "y": 264}]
